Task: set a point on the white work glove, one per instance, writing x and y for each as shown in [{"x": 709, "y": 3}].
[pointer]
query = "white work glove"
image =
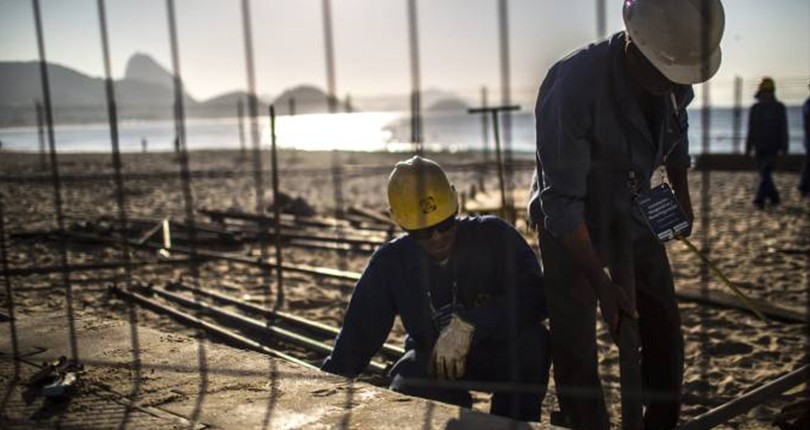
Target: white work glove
[{"x": 450, "y": 351}]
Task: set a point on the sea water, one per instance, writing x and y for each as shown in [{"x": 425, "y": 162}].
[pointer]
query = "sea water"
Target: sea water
[{"x": 361, "y": 131}]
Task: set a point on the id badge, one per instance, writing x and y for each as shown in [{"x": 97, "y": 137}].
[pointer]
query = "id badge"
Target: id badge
[{"x": 662, "y": 212}]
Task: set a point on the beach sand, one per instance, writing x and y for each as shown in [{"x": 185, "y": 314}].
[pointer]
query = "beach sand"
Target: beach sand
[{"x": 728, "y": 351}]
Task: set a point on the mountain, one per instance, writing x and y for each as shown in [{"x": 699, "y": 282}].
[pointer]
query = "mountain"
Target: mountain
[
  {"x": 142, "y": 67},
  {"x": 145, "y": 93},
  {"x": 303, "y": 99},
  {"x": 450, "y": 105}
]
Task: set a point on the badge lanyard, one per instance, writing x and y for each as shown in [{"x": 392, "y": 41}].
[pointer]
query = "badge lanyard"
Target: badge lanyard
[{"x": 658, "y": 205}]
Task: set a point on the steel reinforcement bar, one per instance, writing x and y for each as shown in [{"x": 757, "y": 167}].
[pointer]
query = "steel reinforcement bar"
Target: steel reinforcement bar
[
  {"x": 389, "y": 350},
  {"x": 204, "y": 325}
]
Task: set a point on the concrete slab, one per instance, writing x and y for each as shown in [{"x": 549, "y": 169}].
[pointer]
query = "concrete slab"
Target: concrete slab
[{"x": 185, "y": 380}]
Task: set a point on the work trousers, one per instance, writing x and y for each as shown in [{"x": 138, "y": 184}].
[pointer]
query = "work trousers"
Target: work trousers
[
  {"x": 766, "y": 189},
  {"x": 572, "y": 311},
  {"x": 526, "y": 361},
  {"x": 804, "y": 180}
]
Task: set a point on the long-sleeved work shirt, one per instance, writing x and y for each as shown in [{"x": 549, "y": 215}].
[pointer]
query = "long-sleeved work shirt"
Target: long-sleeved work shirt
[
  {"x": 591, "y": 133},
  {"x": 496, "y": 275},
  {"x": 767, "y": 129}
]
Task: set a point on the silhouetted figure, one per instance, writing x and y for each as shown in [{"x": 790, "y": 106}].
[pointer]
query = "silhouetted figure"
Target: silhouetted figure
[
  {"x": 804, "y": 182},
  {"x": 767, "y": 138}
]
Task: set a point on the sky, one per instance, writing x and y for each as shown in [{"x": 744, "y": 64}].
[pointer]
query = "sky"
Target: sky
[{"x": 458, "y": 42}]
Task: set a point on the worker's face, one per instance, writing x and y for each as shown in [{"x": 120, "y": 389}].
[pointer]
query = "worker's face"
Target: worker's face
[
  {"x": 644, "y": 73},
  {"x": 438, "y": 241}
]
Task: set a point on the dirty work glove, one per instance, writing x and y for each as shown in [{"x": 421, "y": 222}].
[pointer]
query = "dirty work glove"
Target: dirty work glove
[{"x": 450, "y": 351}]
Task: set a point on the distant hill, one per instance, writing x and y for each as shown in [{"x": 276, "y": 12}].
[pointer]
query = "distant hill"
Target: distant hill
[
  {"x": 449, "y": 105},
  {"x": 142, "y": 67},
  {"x": 145, "y": 93},
  {"x": 305, "y": 99}
]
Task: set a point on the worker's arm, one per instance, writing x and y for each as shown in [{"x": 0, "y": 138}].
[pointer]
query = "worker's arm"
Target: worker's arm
[
  {"x": 564, "y": 125},
  {"x": 612, "y": 298},
  {"x": 367, "y": 322}
]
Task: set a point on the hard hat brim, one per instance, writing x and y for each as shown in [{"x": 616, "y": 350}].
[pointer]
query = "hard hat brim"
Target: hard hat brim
[{"x": 687, "y": 74}]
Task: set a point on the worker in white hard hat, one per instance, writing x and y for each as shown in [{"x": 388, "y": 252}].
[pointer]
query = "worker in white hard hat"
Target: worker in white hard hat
[
  {"x": 610, "y": 187},
  {"x": 469, "y": 293},
  {"x": 767, "y": 138}
]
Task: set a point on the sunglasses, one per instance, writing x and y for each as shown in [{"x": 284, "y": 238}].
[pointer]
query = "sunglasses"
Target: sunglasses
[{"x": 427, "y": 233}]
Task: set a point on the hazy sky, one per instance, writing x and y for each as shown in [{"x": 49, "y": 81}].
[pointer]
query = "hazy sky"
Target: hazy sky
[{"x": 458, "y": 41}]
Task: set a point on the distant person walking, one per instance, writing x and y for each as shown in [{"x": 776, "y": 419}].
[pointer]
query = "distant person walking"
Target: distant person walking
[
  {"x": 804, "y": 182},
  {"x": 767, "y": 138}
]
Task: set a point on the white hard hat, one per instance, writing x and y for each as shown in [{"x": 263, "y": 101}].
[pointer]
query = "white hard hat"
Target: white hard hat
[{"x": 670, "y": 34}]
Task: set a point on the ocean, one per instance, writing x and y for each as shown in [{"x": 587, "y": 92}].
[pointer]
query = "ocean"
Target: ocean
[{"x": 362, "y": 131}]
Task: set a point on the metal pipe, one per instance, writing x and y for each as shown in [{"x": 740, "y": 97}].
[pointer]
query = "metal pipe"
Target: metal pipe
[
  {"x": 392, "y": 351},
  {"x": 297, "y": 268},
  {"x": 744, "y": 403},
  {"x": 276, "y": 213},
  {"x": 253, "y": 324},
  {"x": 43, "y": 270},
  {"x": 55, "y": 178},
  {"x": 213, "y": 328},
  {"x": 329, "y": 52}
]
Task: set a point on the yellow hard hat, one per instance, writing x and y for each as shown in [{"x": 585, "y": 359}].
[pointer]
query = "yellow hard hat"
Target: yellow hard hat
[{"x": 419, "y": 194}]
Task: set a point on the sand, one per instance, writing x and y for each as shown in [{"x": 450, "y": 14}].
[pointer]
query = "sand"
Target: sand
[{"x": 728, "y": 352}]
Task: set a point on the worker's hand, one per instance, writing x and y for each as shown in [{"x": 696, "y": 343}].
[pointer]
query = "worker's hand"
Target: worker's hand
[
  {"x": 615, "y": 305},
  {"x": 450, "y": 351}
]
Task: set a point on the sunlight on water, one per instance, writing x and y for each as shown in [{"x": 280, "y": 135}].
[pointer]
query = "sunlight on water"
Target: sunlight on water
[{"x": 340, "y": 131}]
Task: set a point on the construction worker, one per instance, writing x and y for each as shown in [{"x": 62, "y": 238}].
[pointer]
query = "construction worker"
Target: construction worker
[
  {"x": 767, "y": 138},
  {"x": 611, "y": 134},
  {"x": 469, "y": 292}
]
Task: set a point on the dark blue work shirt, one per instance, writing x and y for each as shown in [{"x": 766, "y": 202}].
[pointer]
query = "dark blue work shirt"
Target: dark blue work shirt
[
  {"x": 591, "y": 132},
  {"x": 490, "y": 260},
  {"x": 767, "y": 129}
]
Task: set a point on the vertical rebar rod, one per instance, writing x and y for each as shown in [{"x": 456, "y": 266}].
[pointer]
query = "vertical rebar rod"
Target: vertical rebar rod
[
  {"x": 253, "y": 112},
  {"x": 416, "y": 91},
  {"x": 276, "y": 212},
  {"x": 705, "y": 198},
  {"x": 188, "y": 202},
  {"x": 56, "y": 180},
  {"x": 736, "y": 134},
  {"x": 601, "y": 20},
  {"x": 485, "y": 124},
  {"x": 120, "y": 198},
  {"x": 337, "y": 188},
  {"x": 329, "y": 51},
  {"x": 15, "y": 349},
  {"x": 240, "y": 113},
  {"x": 43, "y": 162},
  {"x": 499, "y": 160},
  {"x": 506, "y": 100},
  {"x": 484, "y": 140}
]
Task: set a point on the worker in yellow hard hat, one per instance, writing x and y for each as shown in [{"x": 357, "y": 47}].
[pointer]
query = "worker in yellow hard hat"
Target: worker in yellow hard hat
[
  {"x": 469, "y": 292},
  {"x": 611, "y": 186},
  {"x": 767, "y": 138}
]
